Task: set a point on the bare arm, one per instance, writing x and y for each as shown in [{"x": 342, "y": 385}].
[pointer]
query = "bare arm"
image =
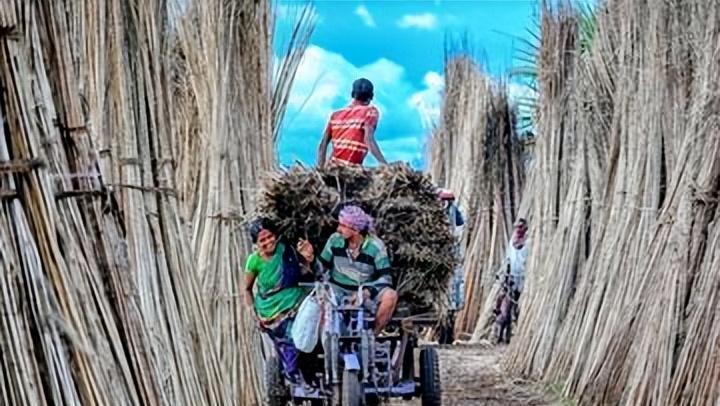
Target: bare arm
[
  {"x": 307, "y": 253},
  {"x": 372, "y": 144},
  {"x": 322, "y": 148},
  {"x": 248, "y": 291}
]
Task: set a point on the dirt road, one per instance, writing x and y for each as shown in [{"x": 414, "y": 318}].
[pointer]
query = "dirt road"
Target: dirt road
[{"x": 471, "y": 375}]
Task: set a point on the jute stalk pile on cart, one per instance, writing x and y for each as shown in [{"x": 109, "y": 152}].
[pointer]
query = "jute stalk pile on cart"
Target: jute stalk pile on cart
[{"x": 408, "y": 218}]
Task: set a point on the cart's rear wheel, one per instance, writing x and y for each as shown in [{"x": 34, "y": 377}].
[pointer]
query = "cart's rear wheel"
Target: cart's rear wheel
[
  {"x": 430, "y": 377},
  {"x": 372, "y": 400},
  {"x": 351, "y": 392}
]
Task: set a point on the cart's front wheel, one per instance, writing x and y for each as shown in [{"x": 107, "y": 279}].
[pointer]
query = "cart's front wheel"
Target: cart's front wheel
[
  {"x": 352, "y": 392},
  {"x": 430, "y": 377}
]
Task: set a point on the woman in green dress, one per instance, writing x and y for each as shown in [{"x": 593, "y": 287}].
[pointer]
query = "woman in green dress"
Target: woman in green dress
[{"x": 276, "y": 268}]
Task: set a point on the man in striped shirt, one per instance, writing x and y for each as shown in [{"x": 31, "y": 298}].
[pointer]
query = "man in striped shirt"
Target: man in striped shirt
[
  {"x": 352, "y": 129},
  {"x": 355, "y": 256}
]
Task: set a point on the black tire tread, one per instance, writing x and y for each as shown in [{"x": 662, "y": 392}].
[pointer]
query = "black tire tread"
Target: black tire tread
[{"x": 430, "y": 377}]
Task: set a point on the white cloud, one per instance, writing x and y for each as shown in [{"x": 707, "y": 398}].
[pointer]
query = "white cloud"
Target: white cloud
[
  {"x": 367, "y": 18},
  {"x": 425, "y": 21},
  {"x": 324, "y": 79},
  {"x": 428, "y": 101},
  {"x": 434, "y": 80}
]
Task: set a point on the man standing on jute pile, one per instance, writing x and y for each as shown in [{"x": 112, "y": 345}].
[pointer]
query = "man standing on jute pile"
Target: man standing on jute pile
[{"x": 352, "y": 129}]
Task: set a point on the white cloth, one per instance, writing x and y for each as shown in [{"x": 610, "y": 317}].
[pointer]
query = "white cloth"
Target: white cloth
[
  {"x": 305, "y": 330},
  {"x": 455, "y": 218},
  {"x": 517, "y": 258}
]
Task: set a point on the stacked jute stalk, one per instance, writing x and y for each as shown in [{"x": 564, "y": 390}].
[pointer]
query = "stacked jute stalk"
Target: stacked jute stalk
[
  {"x": 476, "y": 153},
  {"x": 229, "y": 80},
  {"x": 237, "y": 103},
  {"x": 101, "y": 281},
  {"x": 70, "y": 333},
  {"x": 408, "y": 217},
  {"x": 227, "y": 53},
  {"x": 558, "y": 175},
  {"x": 621, "y": 300},
  {"x": 137, "y": 69}
]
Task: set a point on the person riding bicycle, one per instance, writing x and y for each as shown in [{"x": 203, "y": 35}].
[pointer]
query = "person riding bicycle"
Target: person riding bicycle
[
  {"x": 355, "y": 256},
  {"x": 515, "y": 259}
]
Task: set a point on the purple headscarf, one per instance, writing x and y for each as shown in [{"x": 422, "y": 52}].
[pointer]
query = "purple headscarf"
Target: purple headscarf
[{"x": 356, "y": 218}]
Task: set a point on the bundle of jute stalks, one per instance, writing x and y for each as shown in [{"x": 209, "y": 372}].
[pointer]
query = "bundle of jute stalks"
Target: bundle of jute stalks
[
  {"x": 476, "y": 152},
  {"x": 408, "y": 216},
  {"x": 621, "y": 301}
]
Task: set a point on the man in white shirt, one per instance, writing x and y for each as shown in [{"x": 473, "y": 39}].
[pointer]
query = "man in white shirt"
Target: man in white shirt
[
  {"x": 516, "y": 257},
  {"x": 517, "y": 254}
]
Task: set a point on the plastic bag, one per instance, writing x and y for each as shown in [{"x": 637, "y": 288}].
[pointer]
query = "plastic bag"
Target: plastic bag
[{"x": 306, "y": 327}]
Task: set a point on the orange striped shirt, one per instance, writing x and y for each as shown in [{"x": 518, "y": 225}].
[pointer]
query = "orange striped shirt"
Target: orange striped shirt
[{"x": 347, "y": 132}]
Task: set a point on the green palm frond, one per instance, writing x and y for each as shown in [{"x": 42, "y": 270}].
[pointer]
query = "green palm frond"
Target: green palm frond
[{"x": 587, "y": 26}]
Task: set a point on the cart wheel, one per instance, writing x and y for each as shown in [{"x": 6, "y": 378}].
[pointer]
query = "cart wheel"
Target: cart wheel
[
  {"x": 276, "y": 394},
  {"x": 372, "y": 400},
  {"x": 352, "y": 392},
  {"x": 430, "y": 377}
]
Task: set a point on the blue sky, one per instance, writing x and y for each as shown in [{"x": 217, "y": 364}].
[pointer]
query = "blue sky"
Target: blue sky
[{"x": 399, "y": 46}]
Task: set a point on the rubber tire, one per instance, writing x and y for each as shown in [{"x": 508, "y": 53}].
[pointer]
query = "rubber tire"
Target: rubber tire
[
  {"x": 372, "y": 400},
  {"x": 351, "y": 391},
  {"x": 430, "y": 377},
  {"x": 276, "y": 393}
]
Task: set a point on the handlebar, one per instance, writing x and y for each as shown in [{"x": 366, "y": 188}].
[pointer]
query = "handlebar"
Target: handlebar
[{"x": 324, "y": 285}]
